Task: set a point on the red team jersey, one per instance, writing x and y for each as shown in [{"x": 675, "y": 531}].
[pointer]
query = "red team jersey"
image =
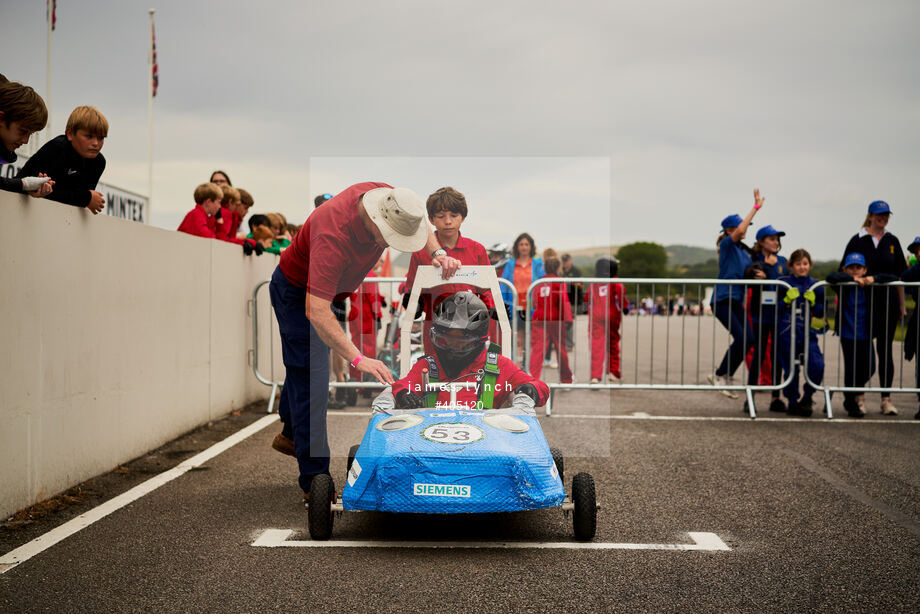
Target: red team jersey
[{"x": 510, "y": 376}]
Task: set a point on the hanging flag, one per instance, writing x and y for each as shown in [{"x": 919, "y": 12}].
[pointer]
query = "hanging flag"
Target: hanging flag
[
  {"x": 52, "y": 10},
  {"x": 155, "y": 71}
]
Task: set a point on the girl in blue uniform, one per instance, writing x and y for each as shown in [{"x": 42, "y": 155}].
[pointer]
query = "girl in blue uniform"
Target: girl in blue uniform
[
  {"x": 806, "y": 338},
  {"x": 728, "y": 300},
  {"x": 766, "y": 258}
]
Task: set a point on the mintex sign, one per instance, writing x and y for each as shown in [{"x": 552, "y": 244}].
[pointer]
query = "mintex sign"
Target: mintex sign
[
  {"x": 118, "y": 202},
  {"x": 440, "y": 490}
]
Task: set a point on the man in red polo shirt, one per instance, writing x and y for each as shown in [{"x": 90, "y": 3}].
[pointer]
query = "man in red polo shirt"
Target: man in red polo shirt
[{"x": 333, "y": 252}]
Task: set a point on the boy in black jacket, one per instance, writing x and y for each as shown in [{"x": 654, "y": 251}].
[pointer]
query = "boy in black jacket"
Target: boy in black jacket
[{"x": 73, "y": 160}]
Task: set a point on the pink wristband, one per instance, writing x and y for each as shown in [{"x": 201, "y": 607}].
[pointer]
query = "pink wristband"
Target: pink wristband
[
  {"x": 354, "y": 363},
  {"x": 757, "y": 207}
]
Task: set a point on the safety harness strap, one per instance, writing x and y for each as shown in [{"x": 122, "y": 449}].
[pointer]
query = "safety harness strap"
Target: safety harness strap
[{"x": 489, "y": 377}]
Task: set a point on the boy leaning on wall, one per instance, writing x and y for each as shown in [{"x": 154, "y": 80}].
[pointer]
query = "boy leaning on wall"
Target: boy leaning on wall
[
  {"x": 22, "y": 112},
  {"x": 74, "y": 160}
]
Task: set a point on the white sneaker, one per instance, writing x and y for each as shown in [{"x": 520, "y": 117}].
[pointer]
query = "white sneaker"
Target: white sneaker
[
  {"x": 547, "y": 363},
  {"x": 553, "y": 364},
  {"x": 888, "y": 408},
  {"x": 594, "y": 380},
  {"x": 718, "y": 381}
]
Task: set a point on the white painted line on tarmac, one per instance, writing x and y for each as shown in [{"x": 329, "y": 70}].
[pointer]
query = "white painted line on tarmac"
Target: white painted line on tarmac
[
  {"x": 278, "y": 538},
  {"x": 641, "y": 416},
  {"x": 43, "y": 542}
]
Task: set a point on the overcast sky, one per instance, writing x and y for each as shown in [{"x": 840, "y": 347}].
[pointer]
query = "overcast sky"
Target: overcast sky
[{"x": 582, "y": 123}]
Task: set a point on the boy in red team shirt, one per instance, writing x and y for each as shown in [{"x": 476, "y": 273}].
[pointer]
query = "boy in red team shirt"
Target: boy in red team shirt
[
  {"x": 200, "y": 221},
  {"x": 549, "y": 317},
  {"x": 605, "y": 309},
  {"x": 459, "y": 333},
  {"x": 204, "y": 221},
  {"x": 447, "y": 210}
]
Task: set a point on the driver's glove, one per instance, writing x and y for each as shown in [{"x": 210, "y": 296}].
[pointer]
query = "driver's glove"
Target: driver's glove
[{"x": 408, "y": 400}]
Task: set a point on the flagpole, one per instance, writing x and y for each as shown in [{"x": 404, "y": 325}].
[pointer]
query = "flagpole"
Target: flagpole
[
  {"x": 50, "y": 26},
  {"x": 150, "y": 118}
]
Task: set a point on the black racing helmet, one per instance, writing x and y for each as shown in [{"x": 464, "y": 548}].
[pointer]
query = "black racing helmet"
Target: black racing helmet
[
  {"x": 465, "y": 312},
  {"x": 606, "y": 266}
]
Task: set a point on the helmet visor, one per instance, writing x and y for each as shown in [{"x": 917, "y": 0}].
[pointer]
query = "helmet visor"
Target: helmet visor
[{"x": 455, "y": 341}]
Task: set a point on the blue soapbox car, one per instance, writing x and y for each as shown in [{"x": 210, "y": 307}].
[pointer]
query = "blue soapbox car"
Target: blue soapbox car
[{"x": 453, "y": 459}]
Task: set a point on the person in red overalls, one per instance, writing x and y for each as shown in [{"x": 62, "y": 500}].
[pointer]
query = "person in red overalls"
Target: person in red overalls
[
  {"x": 549, "y": 318},
  {"x": 364, "y": 317},
  {"x": 605, "y": 314},
  {"x": 459, "y": 333}
]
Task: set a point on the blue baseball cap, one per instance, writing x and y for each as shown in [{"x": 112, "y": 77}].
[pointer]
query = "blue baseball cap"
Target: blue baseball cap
[
  {"x": 769, "y": 231},
  {"x": 914, "y": 244},
  {"x": 732, "y": 221},
  {"x": 854, "y": 258},
  {"x": 879, "y": 206}
]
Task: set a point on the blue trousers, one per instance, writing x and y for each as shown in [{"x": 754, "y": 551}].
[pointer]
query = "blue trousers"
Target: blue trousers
[
  {"x": 815, "y": 363},
  {"x": 731, "y": 314},
  {"x": 306, "y": 384}
]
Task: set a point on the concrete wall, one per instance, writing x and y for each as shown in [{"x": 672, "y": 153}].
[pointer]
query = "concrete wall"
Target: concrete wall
[{"x": 115, "y": 338}]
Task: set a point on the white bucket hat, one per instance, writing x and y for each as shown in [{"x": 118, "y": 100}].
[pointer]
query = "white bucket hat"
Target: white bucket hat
[{"x": 400, "y": 215}]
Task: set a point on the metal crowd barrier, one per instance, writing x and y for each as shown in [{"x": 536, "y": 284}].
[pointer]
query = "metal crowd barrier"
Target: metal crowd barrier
[
  {"x": 674, "y": 350},
  {"x": 901, "y": 329},
  {"x": 675, "y": 377},
  {"x": 253, "y": 305}
]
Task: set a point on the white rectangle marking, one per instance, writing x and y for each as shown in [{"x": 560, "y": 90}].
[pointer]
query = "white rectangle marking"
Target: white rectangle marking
[
  {"x": 354, "y": 472},
  {"x": 278, "y": 538}
]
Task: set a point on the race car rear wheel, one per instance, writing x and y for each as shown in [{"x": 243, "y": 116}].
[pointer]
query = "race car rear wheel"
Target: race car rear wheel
[
  {"x": 584, "y": 517},
  {"x": 319, "y": 512},
  {"x": 352, "y": 452},
  {"x": 559, "y": 461}
]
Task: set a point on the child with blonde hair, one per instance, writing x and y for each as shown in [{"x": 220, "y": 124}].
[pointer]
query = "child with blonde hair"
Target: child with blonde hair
[{"x": 74, "y": 160}]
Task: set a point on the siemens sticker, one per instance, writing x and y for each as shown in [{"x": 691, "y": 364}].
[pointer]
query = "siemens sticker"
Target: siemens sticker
[{"x": 440, "y": 490}]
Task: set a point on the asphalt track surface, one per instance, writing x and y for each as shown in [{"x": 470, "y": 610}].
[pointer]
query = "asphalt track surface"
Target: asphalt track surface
[{"x": 816, "y": 515}]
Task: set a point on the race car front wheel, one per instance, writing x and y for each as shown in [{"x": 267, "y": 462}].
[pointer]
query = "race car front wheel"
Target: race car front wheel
[
  {"x": 319, "y": 512},
  {"x": 584, "y": 518}
]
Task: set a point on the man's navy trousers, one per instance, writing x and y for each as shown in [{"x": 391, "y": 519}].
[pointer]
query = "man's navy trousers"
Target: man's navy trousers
[{"x": 306, "y": 384}]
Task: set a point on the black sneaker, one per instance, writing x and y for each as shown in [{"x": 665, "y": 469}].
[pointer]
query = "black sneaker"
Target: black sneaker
[
  {"x": 852, "y": 408},
  {"x": 777, "y": 405},
  {"x": 335, "y": 404},
  {"x": 803, "y": 408}
]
